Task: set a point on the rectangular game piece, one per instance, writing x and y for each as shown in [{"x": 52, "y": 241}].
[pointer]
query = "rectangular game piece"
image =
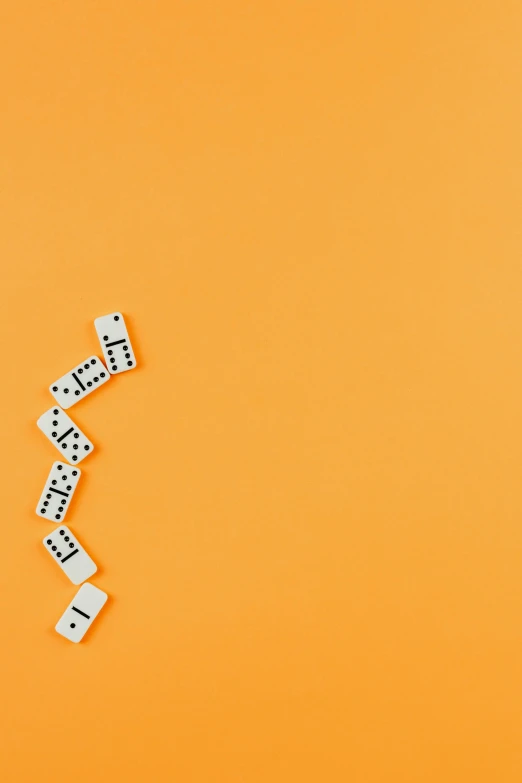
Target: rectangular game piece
[
  {"x": 65, "y": 435},
  {"x": 70, "y": 555},
  {"x": 78, "y": 383},
  {"x": 58, "y": 491},
  {"x": 81, "y": 612},
  {"x": 115, "y": 343}
]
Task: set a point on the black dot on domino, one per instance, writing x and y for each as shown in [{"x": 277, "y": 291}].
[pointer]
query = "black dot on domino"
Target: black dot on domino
[
  {"x": 75, "y": 446},
  {"x": 93, "y": 361},
  {"x": 75, "y": 458},
  {"x": 54, "y": 548},
  {"x": 55, "y": 388},
  {"x": 63, "y": 502},
  {"x": 112, "y": 360},
  {"x": 54, "y": 434},
  {"x": 49, "y": 541},
  {"x": 68, "y": 487},
  {"x": 66, "y": 391},
  {"x": 76, "y": 435},
  {"x": 75, "y": 472},
  {"x": 129, "y": 364},
  {"x": 86, "y": 448},
  {"x": 42, "y": 511},
  {"x": 89, "y": 383},
  {"x": 60, "y": 467},
  {"x": 96, "y": 379},
  {"x": 71, "y": 546},
  {"x": 57, "y": 516},
  {"x": 110, "y": 353},
  {"x": 48, "y": 496},
  {"x": 53, "y": 481},
  {"x": 125, "y": 347},
  {"x": 55, "y": 424},
  {"x": 116, "y": 317},
  {"x": 73, "y": 625},
  {"x": 114, "y": 368},
  {"x": 55, "y": 411},
  {"x": 62, "y": 532},
  {"x": 66, "y": 538},
  {"x": 58, "y": 554},
  {"x": 77, "y": 392},
  {"x": 102, "y": 375},
  {"x": 105, "y": 337},
  {"x": 64, "y": 445},
  {"x": 46, "y": 503},
  {"x": 86, "y": 366}
]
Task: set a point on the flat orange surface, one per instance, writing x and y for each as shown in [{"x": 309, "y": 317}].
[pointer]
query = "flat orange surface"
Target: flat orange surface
[{"x": 306, "y": 502}]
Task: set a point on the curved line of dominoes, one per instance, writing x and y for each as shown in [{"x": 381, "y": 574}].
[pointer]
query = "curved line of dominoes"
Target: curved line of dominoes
[{"x": 63, "y": 478}]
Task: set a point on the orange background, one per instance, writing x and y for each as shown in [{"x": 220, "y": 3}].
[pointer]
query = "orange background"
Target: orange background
[{"x": 306, "y": 502}]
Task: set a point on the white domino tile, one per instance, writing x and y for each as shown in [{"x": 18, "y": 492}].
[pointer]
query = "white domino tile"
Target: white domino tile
[
  {"x": 81, "y": 612},
  {"x": 69, "y": 554},
  {"x": 63, "y": 433},
  {"x": 116, "y": 345},
  {"x": 79, "y": 382},
  {"x": 58, "y": 491}
]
